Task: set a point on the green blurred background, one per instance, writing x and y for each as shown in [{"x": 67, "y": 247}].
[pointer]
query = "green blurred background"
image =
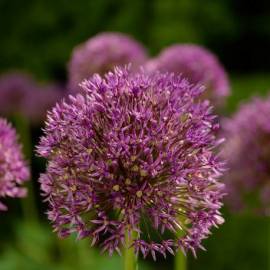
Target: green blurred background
[{"x": 38, "y": 36}]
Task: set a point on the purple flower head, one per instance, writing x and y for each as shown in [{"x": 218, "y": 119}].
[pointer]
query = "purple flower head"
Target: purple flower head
[
  {"x": 196, "y": 64},
  {"x": 21, "y": 94},
  {"x": 13, "y": 169},
  {"x": 14, "y": 88},
  {"x": 101, "y": 53},
  {"x": 247, "y": 151},
  {"x": 42, "y": 100},
  {"x": 133, "y": 151}
]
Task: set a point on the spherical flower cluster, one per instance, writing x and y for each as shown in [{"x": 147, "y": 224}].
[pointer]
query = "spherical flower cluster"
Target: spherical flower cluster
[
  {"x": 247, "y": 151},
  {"x": 21, "y": 94},
  {"x": 101, "y": 53},
  {"x": 14, "y": 88},
  {"x": 13, "y": 169},
  {"x": 130, "y": 154},
  {"x": 196, "y": 64},
  {"x": 43, "y": 99}
]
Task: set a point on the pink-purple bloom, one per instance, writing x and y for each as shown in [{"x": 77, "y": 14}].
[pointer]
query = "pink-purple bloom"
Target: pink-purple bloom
[
  {"x": 43, "y": 99},
  {"x": 14, "y": 88},
  {"x": 133, "y": 151},
  {"x": 101, "y": 53},
  {"x": 196, "y": 64},
  {"x": 13, "y": 169},
  {"x": 21, "y": 94},
  {"x": 247, "y": 150}
]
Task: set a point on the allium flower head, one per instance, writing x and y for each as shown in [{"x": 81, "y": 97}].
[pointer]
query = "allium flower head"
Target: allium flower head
[
  {"x": 132, "y": 152},
  {"x": 15, "y": 87},
  {"x": 13, "y": 169},
  {"x": 21, "y": 94},
  {"x": 42, "y": 100},
  {"x": 101, "y": 53},
  {"x": 247, "y": 150},
  {"x": 196, "y": 64}
]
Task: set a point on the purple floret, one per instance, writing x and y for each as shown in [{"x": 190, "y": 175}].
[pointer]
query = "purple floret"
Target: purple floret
[
  {"x": 133, "y": 149},
  {"x": 247, "y": 151},
  {"x": 101, "y": 53},
  {"x": 196, "y": 64},
  {"x": 13, "y": 169}
]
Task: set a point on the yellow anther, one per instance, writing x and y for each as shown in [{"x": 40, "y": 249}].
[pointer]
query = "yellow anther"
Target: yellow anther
[
  {"x": 116, "y": 187},
  {"x": 128, "y": 181},
  {"x": 133, "y": 158},
  {"x": 160, "y": 193},
  {"x": 143, "y": 173},
  {"x": 73, "y": 188},
  {"x": 89, "y": 150},
  {"x": 92, "y": 167},
  {"x": 109, "y": 162},
  {"x": 139, "y": 194},
  {"x": 184, "y": 117},
  {"x": 135, "y": 168}
]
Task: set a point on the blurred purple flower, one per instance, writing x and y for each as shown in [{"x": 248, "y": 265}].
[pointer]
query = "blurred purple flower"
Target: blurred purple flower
[
  {"x": 247, "y": 150},
  {"x": 196, "y": 64},
  {"x": 101, "y": 53},
  {"x": 133, "y": 149},
  {"x": 43, "y": 99},
  {"x": 21, "y": 94},
  {"x": 13, "y": 169},
  {"x": 15, "y": 87}
]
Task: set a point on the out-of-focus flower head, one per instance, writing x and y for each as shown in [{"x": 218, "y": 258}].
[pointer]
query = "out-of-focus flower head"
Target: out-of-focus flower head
[
  {"x": 101, "y": 53},
  {"x": 130, "y": 150},
  {"x": 14, "y": 88},
  {"x": 247, "y": 150},
  {"x": 196, "y": 64},
  {"x": 21, "y": 94},
  {"x": 13, "y": 169},
  {"x": 43, "y": 99}
]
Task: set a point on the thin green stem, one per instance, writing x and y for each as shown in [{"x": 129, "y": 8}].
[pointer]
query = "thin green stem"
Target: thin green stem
[
  {"x": 130, "y": 259},
  {"x": 180, "y": 261},
  {"x": 28, "y": 203},
  {"x": 268, "y": 244}
]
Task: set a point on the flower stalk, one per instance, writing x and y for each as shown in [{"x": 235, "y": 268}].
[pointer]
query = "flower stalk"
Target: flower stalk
[
  {"x": 28, "y": 204},
  {"x": 130, "y": 258},
  {"x": 180, "y": 261}
]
